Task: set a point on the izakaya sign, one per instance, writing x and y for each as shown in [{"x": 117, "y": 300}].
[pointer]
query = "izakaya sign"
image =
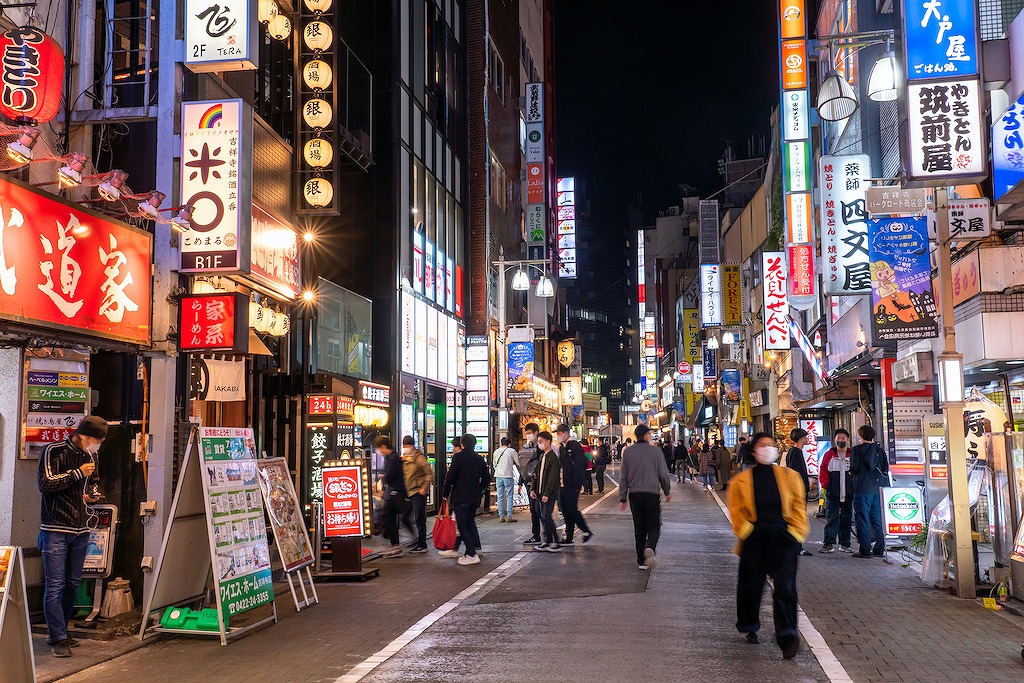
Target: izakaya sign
[
  {"x": 31, "y": 75},
  {"x": 66, "y": 267},
  {"x": 220, "y": 35},
  {"x": 946, "y": 139},
  {"x": 776, "y": 301},
  {"x": 844, "y": 239},
  {"x": 216, "y": 176}
]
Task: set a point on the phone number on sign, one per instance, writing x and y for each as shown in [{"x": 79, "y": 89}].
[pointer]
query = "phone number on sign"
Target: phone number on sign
[{"x": 249, "y": 602}]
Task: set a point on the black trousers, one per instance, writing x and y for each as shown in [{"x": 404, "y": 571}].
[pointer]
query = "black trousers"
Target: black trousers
[
  {"x": 547, "y": 511},
  {"x": 599, "y": 473},
  {"x": 768, "y": 553},
  {"x": 419, "y": 515},
  {"x": 465, "y": 520},
  {"x": 535, "y": 515},
  {"x": 646, "y": 509},
  {"x": 396, "y": 505},
  {"x": 569, "y": 502}
]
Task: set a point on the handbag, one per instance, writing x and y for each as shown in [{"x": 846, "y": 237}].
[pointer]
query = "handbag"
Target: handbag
[{"x": 444, "y": 529}]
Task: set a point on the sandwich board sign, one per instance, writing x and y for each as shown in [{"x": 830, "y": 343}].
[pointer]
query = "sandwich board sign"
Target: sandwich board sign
[
  {"x": 18, "y": 660},
  {"x": 216, "y": 527}
]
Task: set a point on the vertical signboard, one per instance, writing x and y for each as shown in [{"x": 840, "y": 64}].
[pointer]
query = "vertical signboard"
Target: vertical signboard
[
  {"x": 815, "y": 430},
  {"x": 221, "y": 36},
  {"x": 238, "y": 534},
  {"x": 56, "y": 396},
  {"x": 216, "y": 183},
  {"x": 710, "y": 244},
  {"x": 710, "y": 295},
  {"x": 903, "y": 305},
  {"x": 520, "y": 362},
  {"x": 775, "y": 313},
  {"x": 1008, "y": 148},
  {"x": 944, "y": 141},
  {"x": 317, "y": 162},
  {"x": 844, "y": 237},
  {"x": 536, "y": 156},
  {"x": 566, "y": 229},
  {"x": 732, "y": 295}
]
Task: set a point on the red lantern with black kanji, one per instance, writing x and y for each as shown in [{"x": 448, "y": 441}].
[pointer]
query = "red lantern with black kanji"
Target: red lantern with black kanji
[{"x": 31, "y": 75}]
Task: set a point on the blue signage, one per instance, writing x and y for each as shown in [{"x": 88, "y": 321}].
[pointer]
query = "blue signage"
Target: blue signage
[
  {"x": 710, "y": 362},
  {"x": 903, "y": 304},
  {"x": 1008, "y": 149},
  {"x": 941, "y": 38}
]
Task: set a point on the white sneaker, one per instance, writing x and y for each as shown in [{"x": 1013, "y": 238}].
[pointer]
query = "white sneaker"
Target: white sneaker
[
  {"x": 450, "y": 553},
  {"x": 469, "y": 559},
  {"x": 650, "y": 562}
]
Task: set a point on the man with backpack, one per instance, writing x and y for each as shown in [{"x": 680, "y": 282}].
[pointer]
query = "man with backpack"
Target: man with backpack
[
  {"x": 574, "y": 468},
  {"x": 870, "y": 467},
  {"x": 529, "y": 464}
]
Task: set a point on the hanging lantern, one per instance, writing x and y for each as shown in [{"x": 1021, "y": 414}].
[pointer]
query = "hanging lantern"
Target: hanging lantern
[
  {"x": 254, "y": 313},
  {"x": 317, "y": 113},
  {"x": 319, "y": 5},
  {"x": 318, "y": 152},
  {"x": 318, "y": 192},
  {"x": 318, "y": 36},
  {"x": 566, "y": 352},
  {"x": 317, "y": 74},
  {"x": 286, "y": 324},
  {"x": 279, "y": 27},
  {"x": 32, "y": 75},
  {"x": 267, "y": 10}
]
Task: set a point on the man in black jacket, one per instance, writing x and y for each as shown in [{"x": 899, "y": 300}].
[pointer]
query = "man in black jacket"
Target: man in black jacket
[
  {"x": 464, "y": 486},
  {"x": 601, "y": 462},
  {"x": 795, "y": 461},
  {"x": 870, "y": 467},
  {"x": 69, "y": 483},
  {"x": 529, "y": 463},
  {"x": 574, "y": 468},
  {"x": 396, "y": 500}
]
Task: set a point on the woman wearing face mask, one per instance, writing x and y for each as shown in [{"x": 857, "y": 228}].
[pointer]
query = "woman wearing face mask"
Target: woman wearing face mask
[
  {"x": 769, "y": 517},
  {"x": 837, "y": 481}
]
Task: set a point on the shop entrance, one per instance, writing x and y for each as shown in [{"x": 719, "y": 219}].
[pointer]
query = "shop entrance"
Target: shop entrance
[{"x": 432, "y": 410}]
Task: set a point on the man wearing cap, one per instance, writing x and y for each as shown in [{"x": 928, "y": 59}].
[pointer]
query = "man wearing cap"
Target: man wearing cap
[
  {"x": 69, "y": 483},
  {"x": 642, "y": 478},
  {"x": 574, "y": 469}
]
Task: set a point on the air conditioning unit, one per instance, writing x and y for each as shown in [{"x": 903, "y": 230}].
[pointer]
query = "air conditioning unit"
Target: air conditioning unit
[{"x": 917, "y": 368}]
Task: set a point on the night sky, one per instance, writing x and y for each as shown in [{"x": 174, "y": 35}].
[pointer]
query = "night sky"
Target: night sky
[{"x": 647, "y": 92}]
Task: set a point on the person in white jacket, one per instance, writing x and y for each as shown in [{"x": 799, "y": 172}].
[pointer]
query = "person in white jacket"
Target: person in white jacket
[{"x": 504, "y": 478}]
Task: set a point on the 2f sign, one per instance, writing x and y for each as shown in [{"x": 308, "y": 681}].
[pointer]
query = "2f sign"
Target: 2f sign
[{"x": 220, "y": 35}]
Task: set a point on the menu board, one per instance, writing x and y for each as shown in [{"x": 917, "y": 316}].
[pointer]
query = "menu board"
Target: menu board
[
  {"x": 284, "y": 512},
  {"x": 238, "y": 534}
]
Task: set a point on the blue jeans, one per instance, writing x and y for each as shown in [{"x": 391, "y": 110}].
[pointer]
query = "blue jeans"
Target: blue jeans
[
  {"x": 505, "y": 486},
  {"x": 708, "y": 479},
  {"x": 63, "y": 557},
  {"x": 868, "y": 508}
]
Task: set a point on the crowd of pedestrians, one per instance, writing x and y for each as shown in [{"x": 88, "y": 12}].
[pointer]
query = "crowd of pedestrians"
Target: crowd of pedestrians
[{"x": 766, "y": 494}]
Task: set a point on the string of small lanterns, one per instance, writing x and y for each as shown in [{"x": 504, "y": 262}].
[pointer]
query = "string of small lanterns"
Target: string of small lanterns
[{"x": 317, "y": 112}]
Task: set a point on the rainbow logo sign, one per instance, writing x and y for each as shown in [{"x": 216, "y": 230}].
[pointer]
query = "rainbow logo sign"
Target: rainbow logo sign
[{"x": 211, "y": 117}]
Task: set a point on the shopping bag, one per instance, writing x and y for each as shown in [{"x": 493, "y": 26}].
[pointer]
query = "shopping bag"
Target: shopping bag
[{"x": 444, "y": 529}]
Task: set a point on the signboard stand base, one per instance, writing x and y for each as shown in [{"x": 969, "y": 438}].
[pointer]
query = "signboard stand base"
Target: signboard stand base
[
  {"x": 19, "y": 662},
  {"x": 346, "y": 557},
  {"x": 307, "y": 599}
]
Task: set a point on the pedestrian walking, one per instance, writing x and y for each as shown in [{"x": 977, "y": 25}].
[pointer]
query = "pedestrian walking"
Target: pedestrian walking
[
  {"x": 669, "y": 453},
  {"x": 706, "y": 462},
  {"x": 601, "y": 462},
  {"x": 681, "y": 457},
  {"x": 588, "y": 475},
  {"x": 69, "y": 484},
  {"x": 870, "y": 467},
  {"x": 723, "y": 463},
  {"x": 464, "y": 486},
  {"x": 396, "y": 501},
  {"x": 768, "y": 511},
  {"x": 796, "y": 461},
  {"x": 548, "y": 489},
  {"x": 419, "y": 475},
  {"x": 529, "y": 466},
  {"x": 837, "y": 483},
  {"x": 574, "y": 464},
  {"x": 643, "y": 476},
  {"x": 504, "y": 478}
]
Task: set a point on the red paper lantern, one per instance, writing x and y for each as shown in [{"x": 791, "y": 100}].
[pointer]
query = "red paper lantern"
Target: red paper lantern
[{"x": 31, "y": 75}]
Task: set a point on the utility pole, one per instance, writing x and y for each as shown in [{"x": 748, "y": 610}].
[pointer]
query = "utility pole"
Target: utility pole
[{"x": 953, "y": 411}]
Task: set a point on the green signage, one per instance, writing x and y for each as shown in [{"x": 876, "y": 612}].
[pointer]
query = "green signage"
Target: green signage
[
  {"x": 245, "y": 593},
  {"x": 37, "y": 393}
]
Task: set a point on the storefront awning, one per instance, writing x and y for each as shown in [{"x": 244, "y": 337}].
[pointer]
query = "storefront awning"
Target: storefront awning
[{"x": 256, "y": 345}]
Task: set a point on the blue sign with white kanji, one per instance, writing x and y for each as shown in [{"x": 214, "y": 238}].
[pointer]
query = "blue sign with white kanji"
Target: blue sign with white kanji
[
  {"x": 1008, "y": 148},
  {"x": 941, "y": 38},
  {"x": 710, "y": 362}
]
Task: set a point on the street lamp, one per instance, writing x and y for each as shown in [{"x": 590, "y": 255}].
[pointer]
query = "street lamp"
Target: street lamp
[
  {"x": 545, "y": 287},
  {"x": 521, "y": 280},
  {"x": 836, "y": 99},
  {"x": 712, "y": 342},
  {"x": 884, "y": 79},
  {"x": 951, "y": 378}
]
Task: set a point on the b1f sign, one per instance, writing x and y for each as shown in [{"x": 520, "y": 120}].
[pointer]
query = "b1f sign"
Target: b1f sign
[{"x": 221, "y": 36}]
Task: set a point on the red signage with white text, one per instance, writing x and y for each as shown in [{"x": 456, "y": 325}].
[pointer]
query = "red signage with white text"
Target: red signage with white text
[
  {"x": 320, "y": 405},
  {"x": 63, "y": 266},
  {"x": 801, "y": 269},
  {"x": 214, "y": 322},
  {"x": 535, "y": 183},
  {"x": 776, "y": 301},
  {"x": 343, "y": 501}
]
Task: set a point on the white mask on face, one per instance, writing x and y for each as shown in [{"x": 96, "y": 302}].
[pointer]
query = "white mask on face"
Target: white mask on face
[{"x": 766, "y": 455}]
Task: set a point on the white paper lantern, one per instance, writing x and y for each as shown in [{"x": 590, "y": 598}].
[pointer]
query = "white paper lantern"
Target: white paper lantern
[
  {"x": 318, "y": 35},
  {"x": 319, "y": 5},
  {"x": 318, "y": 152},
  {"x": 265, "y": 320},
  {"x": 279, "y": 27},
  {"x": 317, "y": 74},
  {"x": 286, "y": 324},
  {"x": 254, "y": 313},
  {"x": 267, "y": 10},
  {"x": 318, "y": 192},
  {"x": 317, "y": 113}
]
